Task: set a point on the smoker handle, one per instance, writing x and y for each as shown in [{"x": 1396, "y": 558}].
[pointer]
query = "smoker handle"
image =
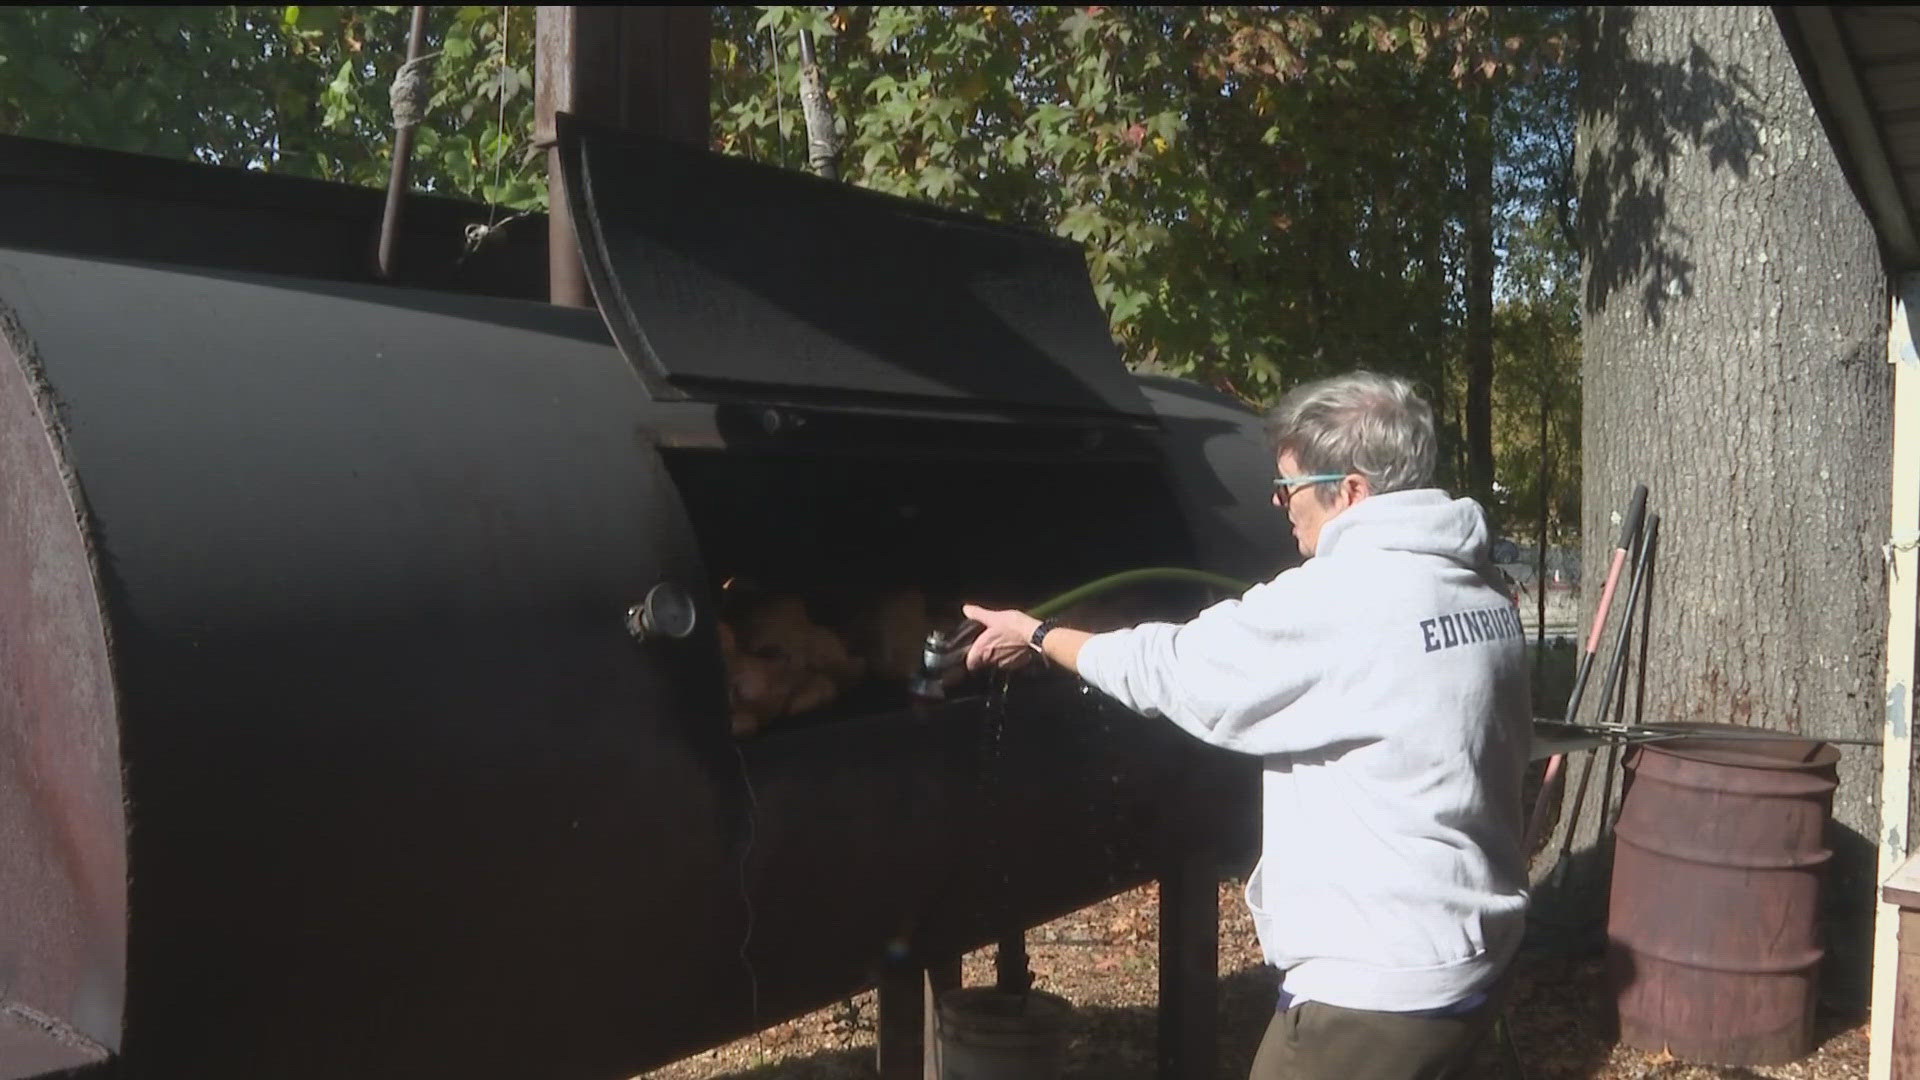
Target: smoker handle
[{"x": 668, "y": 611}]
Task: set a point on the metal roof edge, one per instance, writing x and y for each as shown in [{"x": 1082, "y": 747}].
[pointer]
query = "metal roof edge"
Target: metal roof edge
[{"x": 1830, "y": 73}]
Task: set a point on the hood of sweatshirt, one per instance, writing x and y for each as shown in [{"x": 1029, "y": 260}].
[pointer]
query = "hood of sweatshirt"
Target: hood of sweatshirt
[{"x": 1423, "y": 521}]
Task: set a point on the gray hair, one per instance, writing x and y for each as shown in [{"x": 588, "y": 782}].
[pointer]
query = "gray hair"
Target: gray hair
[{"x": 1374, "y": 425}]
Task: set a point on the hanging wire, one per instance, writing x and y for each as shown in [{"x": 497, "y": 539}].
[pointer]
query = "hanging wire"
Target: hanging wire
[
  {"x": 746, "y": 894},
  {"x": 476, "y": 233},
  {"x": 779, "y": 105}
]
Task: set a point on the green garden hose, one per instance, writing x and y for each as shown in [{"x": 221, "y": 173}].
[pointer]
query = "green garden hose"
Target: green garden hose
[
  {"x": 1133, "y": 577},
  {"x": 943, "y": 652}
]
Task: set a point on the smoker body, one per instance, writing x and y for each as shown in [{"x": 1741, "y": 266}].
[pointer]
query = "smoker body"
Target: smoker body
[{"x": 327, "y": 749}]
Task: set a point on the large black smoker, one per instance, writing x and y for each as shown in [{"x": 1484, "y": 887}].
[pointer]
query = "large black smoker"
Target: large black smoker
[{"x": 327, "y": 748}]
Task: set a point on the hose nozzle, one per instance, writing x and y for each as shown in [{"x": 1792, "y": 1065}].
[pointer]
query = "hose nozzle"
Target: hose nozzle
[{"x": 941, "y": 655}]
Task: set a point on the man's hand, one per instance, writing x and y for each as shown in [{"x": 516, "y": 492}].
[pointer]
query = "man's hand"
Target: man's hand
[{"x": 1005, "y": 641}]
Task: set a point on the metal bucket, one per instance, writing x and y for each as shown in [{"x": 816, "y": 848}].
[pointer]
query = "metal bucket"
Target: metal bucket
[
  {"x": 987, "y": 1034},
  {"x": 1713, "y": 948}
]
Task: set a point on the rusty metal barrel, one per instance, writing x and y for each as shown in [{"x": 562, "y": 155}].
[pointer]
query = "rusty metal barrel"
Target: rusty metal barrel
[{"x": 1713, "y": 948}]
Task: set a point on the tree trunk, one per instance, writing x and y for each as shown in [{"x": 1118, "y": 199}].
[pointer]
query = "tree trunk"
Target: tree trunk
[
  {"x": 1735, "y": 323},
  {"x": 1480, "y": 294},
  {"x": 1434, "y": 269},
  {"x": 1546, "y": 485}
]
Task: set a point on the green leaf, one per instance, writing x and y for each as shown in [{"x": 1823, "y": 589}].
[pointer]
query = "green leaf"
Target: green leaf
[
  {"x": 938, "y": 180},
  {"x": 1080, "y": 23},
  {"x": 1049, "y": 114},
  {"x": 457, "y": 46},
  {"x": 1125, "y": 305},
  {"x": 1082, "y": 223}
]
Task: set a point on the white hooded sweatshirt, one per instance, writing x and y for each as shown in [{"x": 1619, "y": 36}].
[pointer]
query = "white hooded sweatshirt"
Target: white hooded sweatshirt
[{"x": 1384, "y": 683}]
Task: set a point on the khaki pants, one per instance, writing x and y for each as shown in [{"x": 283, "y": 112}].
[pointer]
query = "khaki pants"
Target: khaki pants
[{"x": 1315, "y": 1041}]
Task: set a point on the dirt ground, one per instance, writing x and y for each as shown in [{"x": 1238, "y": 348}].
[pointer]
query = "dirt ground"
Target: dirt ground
[{"x": 1104, "y": 959}]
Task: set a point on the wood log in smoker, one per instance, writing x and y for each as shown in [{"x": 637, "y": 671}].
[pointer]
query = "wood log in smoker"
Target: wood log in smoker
[
  {"x": 782, "y": 663},
  {"x": 888, "y": 630}
]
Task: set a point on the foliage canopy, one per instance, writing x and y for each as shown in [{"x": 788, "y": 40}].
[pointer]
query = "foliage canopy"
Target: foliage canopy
[{"x": 1265, "y": 193}]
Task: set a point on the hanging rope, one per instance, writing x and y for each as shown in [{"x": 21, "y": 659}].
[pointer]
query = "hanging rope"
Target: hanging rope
[{"x": 411, "y": 90}]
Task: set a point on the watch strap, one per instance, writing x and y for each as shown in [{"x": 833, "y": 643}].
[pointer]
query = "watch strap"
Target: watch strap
[{"x": 1040, "y": 633}]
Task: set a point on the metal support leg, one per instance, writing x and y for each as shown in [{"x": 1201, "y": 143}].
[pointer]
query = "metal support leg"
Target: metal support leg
[
  {"x": 902, "y": 1048},
  {"x": 1011, "y": 974},
  {"x": 1189, "y": 970},
  {"x": 1504, "y": 1030},
  {"x": 941, "y": 977},
  {"x": 907, "y": 992}
]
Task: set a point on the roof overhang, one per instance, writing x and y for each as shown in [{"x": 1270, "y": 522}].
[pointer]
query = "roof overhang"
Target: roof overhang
[{"x": 1861, "y": 66}]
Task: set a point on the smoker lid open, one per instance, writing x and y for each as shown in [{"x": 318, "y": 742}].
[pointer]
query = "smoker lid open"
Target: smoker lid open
[{"x": 723, "y": 279}]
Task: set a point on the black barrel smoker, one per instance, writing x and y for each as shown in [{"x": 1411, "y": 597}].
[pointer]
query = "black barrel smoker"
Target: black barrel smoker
[{"x": 327, "y": 748}]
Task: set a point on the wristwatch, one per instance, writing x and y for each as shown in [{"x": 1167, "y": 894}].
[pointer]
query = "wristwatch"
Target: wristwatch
[{"x": 1040, "y": 633}]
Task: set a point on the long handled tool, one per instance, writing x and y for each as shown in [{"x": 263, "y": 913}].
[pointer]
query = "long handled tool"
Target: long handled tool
[
  {"x": 1629, "y": 530},
  {"x": 1606, "y": 694},
  {"x": 1649, "y": 560}
]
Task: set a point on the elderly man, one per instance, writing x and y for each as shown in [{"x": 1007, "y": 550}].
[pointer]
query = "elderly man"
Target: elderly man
[{"x": 1384, "y": 685}]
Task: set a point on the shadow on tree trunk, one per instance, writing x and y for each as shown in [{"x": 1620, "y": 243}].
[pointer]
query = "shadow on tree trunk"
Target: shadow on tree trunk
[{"x": 1660, "y": 111}]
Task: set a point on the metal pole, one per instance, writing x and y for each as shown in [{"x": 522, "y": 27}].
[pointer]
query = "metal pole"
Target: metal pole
[
  {"x": 635, "y": 67},
  {"x": 560, "y": 71},
  {"x": 1606, "y": 697},
  {"x": 1652, "y": 562},
  {"x": 1629, "y": 531},
  {"x": 1644, "y": 566},
  {"x": 566, "y": 274},
  {"x": 823, "y": 146},
  {"x": 403, "y": 128}
]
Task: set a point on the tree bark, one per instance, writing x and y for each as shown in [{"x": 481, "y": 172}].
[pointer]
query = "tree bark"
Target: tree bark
[
  {"x": 1734, "y": 324},
  {"x": 1480, "y": 293},
  {"x": 1546, "y": 484},
  {"x": 1434, "y": 268}
]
